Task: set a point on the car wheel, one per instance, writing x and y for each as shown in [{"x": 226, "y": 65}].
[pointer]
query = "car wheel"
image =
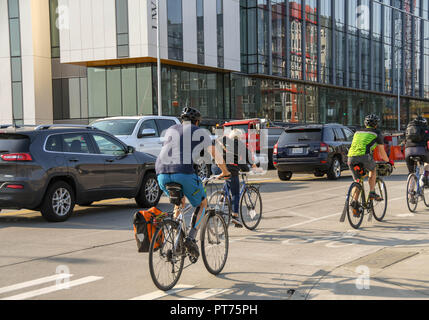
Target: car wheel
[
  {"x": 334, "y": 172},
  {"x": 285, "y": 175},
  {"x": 150, "y": 193},
  {"x": 58, "y": 203}
]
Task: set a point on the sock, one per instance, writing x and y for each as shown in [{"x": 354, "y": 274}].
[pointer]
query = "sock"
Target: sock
[{"x": 192, "y": 234}]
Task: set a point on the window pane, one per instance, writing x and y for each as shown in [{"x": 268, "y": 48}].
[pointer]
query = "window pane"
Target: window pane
[
  {"x": 164, "y": 124},
  {"x": 84, "y": 97},
  {"x": 149, "y": 124},
  {"x": 122, "y": 16},
  {"x": 15, "y": 39},
  {"x": 54, "y": 143},
  {"x": 144, "y": 90},
  {"x": 16, "y": 69},
  {"x": 75, "y": 143},
  {"x": 114, "y": 92},
  {"x": 17, "y": 100},
  {"x": 129, "y": 91},
  {"x": 97, "y": 92},
  {"x": 13, "y": 8},
  {"x": 74, "y": 98},
  {"x": 108, "y": 146}
]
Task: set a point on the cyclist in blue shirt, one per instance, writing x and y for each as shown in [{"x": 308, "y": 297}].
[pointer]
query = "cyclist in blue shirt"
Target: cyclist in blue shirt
[{"x": 175, "y": 164}]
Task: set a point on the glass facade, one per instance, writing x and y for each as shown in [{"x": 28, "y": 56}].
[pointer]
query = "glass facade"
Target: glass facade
[{"x": 16, "y": 62}]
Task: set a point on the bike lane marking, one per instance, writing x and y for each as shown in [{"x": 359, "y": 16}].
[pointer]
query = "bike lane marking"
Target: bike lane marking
[
  {"x": 54, "y": 288},
  {"x": 206, "y": 294},
  {"x": 35, "y": 282},
  {"x": 160, "y": 294}
]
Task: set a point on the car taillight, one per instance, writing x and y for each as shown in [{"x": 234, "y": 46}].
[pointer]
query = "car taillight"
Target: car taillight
[
  {"x": 16, "y": 157},
  {"x": 15, "y": 186},
  {"x": 276, "y": 149},
  {"x": 324, "y": 147}
]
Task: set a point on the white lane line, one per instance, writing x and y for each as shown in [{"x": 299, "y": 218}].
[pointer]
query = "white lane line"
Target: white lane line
[
  {"x": 36, "y": 282},
  {"x": 54, "y": 288},
  {"x": 206, "y": 294},
  {"x": 160, "y": 294}
]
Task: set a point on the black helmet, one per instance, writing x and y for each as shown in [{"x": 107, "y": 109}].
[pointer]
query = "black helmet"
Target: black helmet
[
  {"x": 372, "y": 120},
  {"x": 421, "y": 120},
  {"x": 191, "y": 114}
]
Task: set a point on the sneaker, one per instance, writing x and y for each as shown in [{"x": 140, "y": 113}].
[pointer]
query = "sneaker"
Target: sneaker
[
  {"x": 236, "y": 221},
  {"x": 375, "y": 196},
  {"x": 355, "y": 206},
  {"x": 192, "y": 247}
]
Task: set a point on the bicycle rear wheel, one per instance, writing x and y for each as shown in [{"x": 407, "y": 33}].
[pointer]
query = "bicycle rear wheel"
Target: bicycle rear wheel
[
  {"x": 355, "y": 205},
  {"x": 220, "y": 202},
  {"x": 166, "y": 255},
  {"x": 214, "y": 243},
  {"x": 379, "y": 208},
  {"x": 426, "y": 196},
  {"x": 251, "y": 207},
  {"x": 412, "y": 194}
]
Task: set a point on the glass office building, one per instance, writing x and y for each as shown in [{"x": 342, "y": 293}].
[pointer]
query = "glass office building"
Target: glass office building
[{"x": 302, "y": 61}]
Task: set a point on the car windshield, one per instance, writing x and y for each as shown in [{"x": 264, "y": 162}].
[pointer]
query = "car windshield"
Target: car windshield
[
  {"x": 300, "y": 135},
  {"x": 117, "y": 127},
  {"x": 243, "y": 127}
]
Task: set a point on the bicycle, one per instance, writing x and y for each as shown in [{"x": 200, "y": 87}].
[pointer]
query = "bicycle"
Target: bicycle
[
  {"x": 415, "y": 187},
  {"x": 250, "y": 209},
  {"x": 167, "y": 250},
  {"x": 357, "y": 200}
]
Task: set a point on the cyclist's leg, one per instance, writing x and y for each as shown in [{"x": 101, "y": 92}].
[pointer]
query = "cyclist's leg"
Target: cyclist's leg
[
  {"x": 234, "y": 186},
  {"x": 352, "y": 163}
]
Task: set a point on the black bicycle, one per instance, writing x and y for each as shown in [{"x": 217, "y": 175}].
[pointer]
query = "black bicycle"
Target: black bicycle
[
  {"x": 167, "y": 250},
  {"x": 358, "y": 203}
]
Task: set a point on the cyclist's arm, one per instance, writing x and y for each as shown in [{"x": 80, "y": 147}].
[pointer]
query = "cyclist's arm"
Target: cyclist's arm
[
  {"x": 382, "y": 153},
  {"x": 218, "y": 157}
]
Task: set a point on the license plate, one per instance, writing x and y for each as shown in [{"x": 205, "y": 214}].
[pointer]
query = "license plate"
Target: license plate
[{"x": 297, "y": 150}]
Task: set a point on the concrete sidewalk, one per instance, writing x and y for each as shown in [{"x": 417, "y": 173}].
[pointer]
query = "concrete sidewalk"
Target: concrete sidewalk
[{"x": 390, "y": 273}]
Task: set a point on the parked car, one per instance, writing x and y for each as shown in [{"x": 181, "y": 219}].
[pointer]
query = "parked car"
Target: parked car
[
  {"x": 145, "y": 134},
  {"x": 52, "y": 168},
  {"x": 317, "y": 149}
]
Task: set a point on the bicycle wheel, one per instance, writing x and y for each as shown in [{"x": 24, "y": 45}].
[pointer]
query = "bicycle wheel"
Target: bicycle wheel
[
  {"x": 166, "y": 255},
  {"x": 426, "y": 196},
  {"x": 222, "y": 205},
  {"x": 251, "y": 207},
  {"x": 355, "y": 205},
  {"x": 214, "y": 243},
  {"x": 379, "y": 208},
  {"x": 412, "y": 195}
]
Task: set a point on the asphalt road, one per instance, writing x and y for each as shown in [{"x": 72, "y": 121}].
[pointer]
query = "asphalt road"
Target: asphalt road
[{"x": 299, "y": 244}]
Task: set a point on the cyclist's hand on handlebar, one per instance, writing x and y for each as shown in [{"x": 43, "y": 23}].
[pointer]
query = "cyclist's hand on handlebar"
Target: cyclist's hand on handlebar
[{"x": 392, "y": 163}]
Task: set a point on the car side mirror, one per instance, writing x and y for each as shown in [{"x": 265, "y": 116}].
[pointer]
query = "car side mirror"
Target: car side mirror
[
  {"x": 130, "y": 149},
  {"x": 146, "y": 133}
]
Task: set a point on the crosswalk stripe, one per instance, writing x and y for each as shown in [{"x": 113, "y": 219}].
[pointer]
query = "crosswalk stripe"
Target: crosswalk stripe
[
  {"x": 206, "y": 294},
  {"x": 63, "y": 286},
  {"x": 160, "y": 294},
  {"x": 35, "y": 282}
]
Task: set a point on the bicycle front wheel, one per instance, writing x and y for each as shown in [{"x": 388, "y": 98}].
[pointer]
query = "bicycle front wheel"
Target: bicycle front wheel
[
  {"x": 214, "y": 243},
  {"x": 379, "y": 208},
  {"x": 166, "y": 255},
  {"x": 219, "y": 201},
  {"x": 355, "y": 205},
  {"x": 412, "y": 192},
  {"x": 251, "y": 207}
]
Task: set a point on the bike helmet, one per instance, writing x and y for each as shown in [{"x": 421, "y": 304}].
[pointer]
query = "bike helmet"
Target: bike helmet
[
  {"x": 421, "y": 120},
  {"x": 372, "y": 120},
  {"x": 190, "y": 114}
]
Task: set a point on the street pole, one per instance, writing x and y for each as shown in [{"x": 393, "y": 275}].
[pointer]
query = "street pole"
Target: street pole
[
  {"x": 399, "y": 92},
  {"x": 158, "y": 58}
]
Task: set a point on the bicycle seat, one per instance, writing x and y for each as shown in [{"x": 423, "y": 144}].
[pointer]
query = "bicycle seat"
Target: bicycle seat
[{"x": 175, "y": 191}]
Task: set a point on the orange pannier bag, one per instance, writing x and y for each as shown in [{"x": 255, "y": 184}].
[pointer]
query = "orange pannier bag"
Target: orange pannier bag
[{"x": 145, "y": 224}]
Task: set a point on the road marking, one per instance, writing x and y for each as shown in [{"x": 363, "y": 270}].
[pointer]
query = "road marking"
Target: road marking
[
  {"x": 206, "y": 294},
  {"x": 36, "y": 282},
  {"x": 54, "y": 288},
  {"x": 160, "y": 294}
]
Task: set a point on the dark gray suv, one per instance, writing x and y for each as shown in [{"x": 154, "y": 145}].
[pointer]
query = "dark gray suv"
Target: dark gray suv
[{"x": 52, "y": 168}]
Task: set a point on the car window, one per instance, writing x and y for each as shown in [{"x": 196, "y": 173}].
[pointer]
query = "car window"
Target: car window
[
  {"x": 329, "y": 134},
  {"x": 75, "y": 143},
  {"x": 349, "y": 134},
  {"x": 164, "y": 124},
  {"x": 54, "y": 143},
  {"x": 108, "y": 146},
  {"x": 339, "y": 135},
  {"x": 117, "y": 127},
  {"x": 300, "y": 135},
  {"x": 149, "y": 124}
]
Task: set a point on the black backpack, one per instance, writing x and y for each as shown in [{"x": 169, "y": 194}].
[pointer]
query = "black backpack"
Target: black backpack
[{"x": 415, "y": 133}]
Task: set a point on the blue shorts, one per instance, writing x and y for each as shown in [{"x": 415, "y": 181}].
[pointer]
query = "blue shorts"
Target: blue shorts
[{"x": 192, "y": 186}]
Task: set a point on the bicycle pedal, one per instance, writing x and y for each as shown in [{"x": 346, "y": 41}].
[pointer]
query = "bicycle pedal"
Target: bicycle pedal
[{"x": 193, "y": 259}]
